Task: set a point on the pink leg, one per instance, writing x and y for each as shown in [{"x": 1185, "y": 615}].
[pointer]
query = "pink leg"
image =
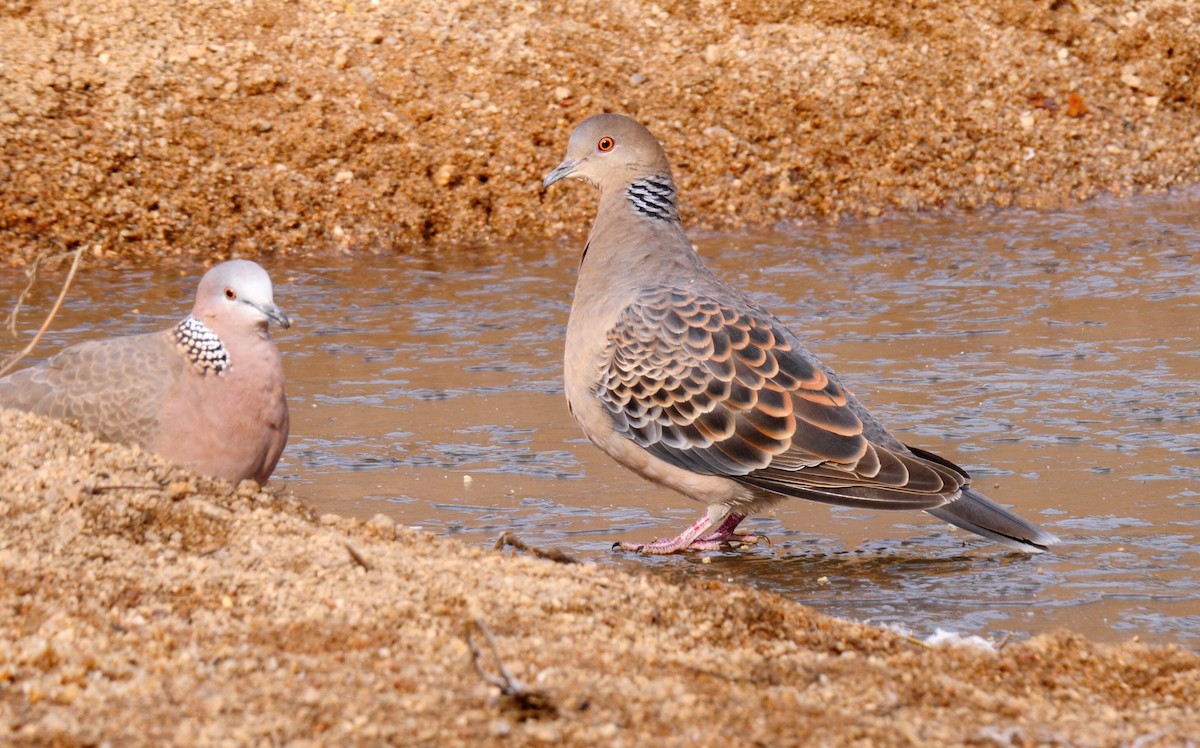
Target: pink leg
[
  {"x": 694, "y": 537},
  {"x": 725, "y": 533}
]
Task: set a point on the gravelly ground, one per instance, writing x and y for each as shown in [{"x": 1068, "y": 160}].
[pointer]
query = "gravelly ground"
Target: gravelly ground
[
  {"x": 201, "y": 128},
  {"x": 145, "y": 606}
]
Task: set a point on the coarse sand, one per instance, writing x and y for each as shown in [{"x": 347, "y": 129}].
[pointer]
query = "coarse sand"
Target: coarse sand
[
  {"x": 146, "y": 606},
  {"x": 205, "y": 129}
]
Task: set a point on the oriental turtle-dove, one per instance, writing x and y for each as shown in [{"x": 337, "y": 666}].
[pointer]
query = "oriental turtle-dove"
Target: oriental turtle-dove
[{"x": 692, "y": 384}]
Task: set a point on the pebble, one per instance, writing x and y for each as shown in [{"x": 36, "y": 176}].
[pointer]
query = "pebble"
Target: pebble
[{"x": 444, "y": 175}]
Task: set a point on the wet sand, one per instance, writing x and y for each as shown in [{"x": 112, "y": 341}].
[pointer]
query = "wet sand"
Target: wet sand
[{"x": 146, "y": 606}]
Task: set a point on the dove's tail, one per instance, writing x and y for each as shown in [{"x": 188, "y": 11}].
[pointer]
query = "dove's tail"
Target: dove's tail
[{"x": 978, "y": 514}]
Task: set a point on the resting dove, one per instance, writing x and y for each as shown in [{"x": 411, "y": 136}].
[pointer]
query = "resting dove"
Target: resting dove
[
  {"x": 206, "y": 394},
  {"x": 692, "y": 384}
]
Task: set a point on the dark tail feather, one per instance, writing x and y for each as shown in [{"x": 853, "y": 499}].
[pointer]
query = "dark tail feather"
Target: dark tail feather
[{"x": 980, "y": 515}]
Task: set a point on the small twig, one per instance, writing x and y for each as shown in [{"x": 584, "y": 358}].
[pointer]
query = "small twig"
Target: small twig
[
  {"x": 62, "y": 294},
  {"x": 720, "y": 676},
  {"x": 555, "y": 555},
  {"x": 530, "y": 703},
  {"x": 129, "y": 487},
  {"x": 508, "y": 685},
  {"x": 357, "y": 557},
  {"x": 11, "y": 320},
  {"x": 1003, "y": 641},
  {"x": 34, "y": 269}
]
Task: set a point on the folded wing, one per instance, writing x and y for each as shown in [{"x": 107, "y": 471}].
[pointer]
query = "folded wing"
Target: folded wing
[{"x": 723, "y": 389}]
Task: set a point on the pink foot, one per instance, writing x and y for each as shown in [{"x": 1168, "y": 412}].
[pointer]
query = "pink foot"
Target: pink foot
[
  {"x": 715, "y": 542},
  {"x": 694, "y": 539}
]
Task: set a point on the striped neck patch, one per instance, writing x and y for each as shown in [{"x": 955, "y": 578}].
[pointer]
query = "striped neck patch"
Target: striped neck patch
[{"x": 654, "y": 197}]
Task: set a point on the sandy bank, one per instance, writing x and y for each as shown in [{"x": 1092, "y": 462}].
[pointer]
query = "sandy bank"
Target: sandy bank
[{"x": 142, "y": 605}]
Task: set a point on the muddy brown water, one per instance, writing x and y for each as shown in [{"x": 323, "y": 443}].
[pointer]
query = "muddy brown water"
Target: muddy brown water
[{"x": 1054, "y": 355}]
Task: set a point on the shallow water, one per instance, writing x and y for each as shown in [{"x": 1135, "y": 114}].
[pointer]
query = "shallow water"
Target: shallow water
[{"x": 1056, "y": 356}]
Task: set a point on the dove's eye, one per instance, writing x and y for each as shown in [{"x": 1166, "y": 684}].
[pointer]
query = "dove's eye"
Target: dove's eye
[
  {"x": 230, "y": 294},
  {"x": 605, "y": 145}
]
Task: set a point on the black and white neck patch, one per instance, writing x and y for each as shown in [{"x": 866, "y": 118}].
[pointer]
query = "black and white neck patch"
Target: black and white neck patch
[
  {"x": 201, "y": 346},
  {"x": 654, "y": 197}
]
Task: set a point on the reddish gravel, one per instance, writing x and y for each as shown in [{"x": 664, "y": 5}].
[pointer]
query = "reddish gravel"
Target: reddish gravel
[{"x": 216, "y": 128}]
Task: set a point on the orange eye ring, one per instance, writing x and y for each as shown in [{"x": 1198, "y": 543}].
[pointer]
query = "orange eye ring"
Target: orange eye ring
[
  {"x": 230, "y": 294},
  {"x": 605, "y": 144}
]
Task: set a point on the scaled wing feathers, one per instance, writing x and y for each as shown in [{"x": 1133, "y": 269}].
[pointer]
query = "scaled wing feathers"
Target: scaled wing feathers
[
  {"x": 112, "y": 387},
  {"x": 724, "y": 389}
]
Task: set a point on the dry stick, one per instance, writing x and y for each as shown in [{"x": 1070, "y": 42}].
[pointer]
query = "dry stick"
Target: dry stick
[
  {"x": 357, "y": 557},
  {"x": 8, "y": 365},
  {"x": 122, "y": 487},
  {"x": 510, "y": 539},
  {"x": 11, "y": 320},
  {"x": 34, "y": 268},
  {"x": 508, "y": 685},
  {"x": 531, "y": 703},
  {"x": 915, "y": 641}
]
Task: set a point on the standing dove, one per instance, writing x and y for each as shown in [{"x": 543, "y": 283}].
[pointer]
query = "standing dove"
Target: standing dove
[
  {"x": 206, "y": 394},
  {"x": 692, "y": 384}
]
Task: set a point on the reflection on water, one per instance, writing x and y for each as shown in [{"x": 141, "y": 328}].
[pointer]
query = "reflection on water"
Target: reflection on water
[{"x": 1056, "y": 356}]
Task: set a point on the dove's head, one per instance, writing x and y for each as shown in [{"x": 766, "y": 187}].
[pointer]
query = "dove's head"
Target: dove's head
[
  {"x": 611, "y": 150},
  {"x": 237, "y": 296}
]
